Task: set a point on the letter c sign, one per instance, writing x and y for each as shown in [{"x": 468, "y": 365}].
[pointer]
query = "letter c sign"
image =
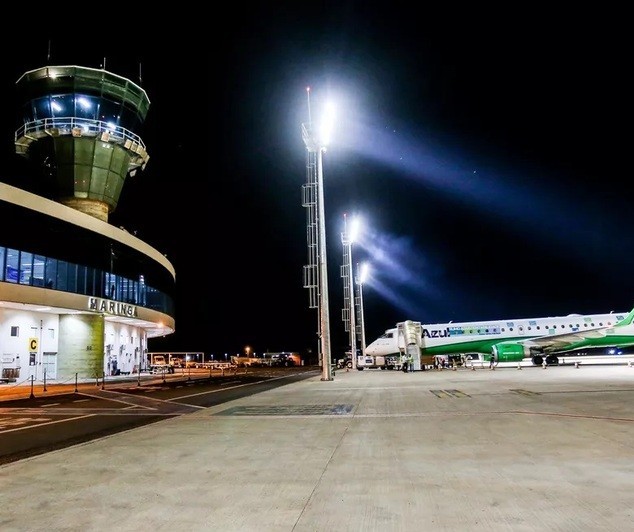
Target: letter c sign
[{"x": 33, "y": 344}]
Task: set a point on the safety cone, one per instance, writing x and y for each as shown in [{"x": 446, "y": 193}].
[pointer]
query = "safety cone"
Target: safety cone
[
  {"x": 519, "y": 365},
  {"x": 629, "y": 363},
  {"x": 472, "y": 367},
  {"x": 454, "y": 367},
  {"x": 577, "y": 364},
  {"x": 544, "y": 364}
]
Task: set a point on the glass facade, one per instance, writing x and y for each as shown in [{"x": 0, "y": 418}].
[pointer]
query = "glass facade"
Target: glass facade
[{"x": 22, "y": 267}]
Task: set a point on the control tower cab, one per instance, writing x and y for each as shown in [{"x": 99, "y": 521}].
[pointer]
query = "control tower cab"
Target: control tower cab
[{"x": 78, "y": 127}]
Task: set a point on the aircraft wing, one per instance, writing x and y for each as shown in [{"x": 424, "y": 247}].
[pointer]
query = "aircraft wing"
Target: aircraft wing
[{"x": 561, "y": 342}]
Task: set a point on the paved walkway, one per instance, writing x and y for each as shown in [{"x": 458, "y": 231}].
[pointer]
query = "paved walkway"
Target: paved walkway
[{"x": 508, "y": 450}]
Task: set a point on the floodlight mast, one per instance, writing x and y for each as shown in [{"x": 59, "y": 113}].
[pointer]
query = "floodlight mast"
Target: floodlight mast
[
  {"x": 316, "y": 272},
  {"x": 348, "y": 292},
  {"x": 362, "y": 275}
]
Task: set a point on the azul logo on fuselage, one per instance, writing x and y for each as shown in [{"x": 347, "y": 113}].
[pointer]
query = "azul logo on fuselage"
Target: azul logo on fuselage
[{"x": 435, "y": 333}]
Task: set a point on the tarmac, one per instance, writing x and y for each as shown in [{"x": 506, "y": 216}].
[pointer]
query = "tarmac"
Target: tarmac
[{"x": 537, "y": 449}]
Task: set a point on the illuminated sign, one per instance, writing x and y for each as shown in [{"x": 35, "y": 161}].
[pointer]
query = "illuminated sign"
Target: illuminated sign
[{"x": 111, "y": 307}]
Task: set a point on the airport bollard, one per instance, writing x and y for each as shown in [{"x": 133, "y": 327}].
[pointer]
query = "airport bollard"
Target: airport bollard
[
  {"x": 544, "y": 364},
  {"x": 577, "y": 364},
  {"x": 519, "y": 365}
]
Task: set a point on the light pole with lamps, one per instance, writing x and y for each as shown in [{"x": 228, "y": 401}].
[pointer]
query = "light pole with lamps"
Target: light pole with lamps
[
  {"x": 347, "y": 239},
  {"x": 316, "y": 272},
  {"x": 362, "y": 276}
]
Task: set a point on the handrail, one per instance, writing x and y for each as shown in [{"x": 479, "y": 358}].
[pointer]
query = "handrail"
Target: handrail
[{"x": 88, "y": 126}]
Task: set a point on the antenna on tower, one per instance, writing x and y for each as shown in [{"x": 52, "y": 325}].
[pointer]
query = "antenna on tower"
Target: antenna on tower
[
  {"x": 140, "y": 77},
  {"x": 308, "y": 102},
  {"x": 48, "y": 54},
  {"x": 104, "y": 63}
]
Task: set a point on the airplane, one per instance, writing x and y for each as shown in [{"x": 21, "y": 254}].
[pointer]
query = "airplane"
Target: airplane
[{"x": 540, "y": 339}]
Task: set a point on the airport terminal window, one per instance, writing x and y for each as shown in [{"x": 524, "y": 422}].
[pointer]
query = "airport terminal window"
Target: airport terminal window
[
  {"x": 12, "y": 265},
  {"x": 51, "y": 273},
  {"x": 26, "y": 267},
  {"x": 37, "y": 275},
  {"x": 37, "y": 270}
]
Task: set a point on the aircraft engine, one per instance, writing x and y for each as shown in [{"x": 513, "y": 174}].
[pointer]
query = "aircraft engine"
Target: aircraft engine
[{"x": 509, "y": 352}]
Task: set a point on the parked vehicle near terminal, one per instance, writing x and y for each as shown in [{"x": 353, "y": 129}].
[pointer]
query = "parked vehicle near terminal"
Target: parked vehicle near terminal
[{"x": 158, "y": 364}]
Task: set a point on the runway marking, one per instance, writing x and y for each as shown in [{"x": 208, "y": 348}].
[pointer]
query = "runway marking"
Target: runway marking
[
  {"x": 4, "y": 423},
  {"x": 449, "y": 393},
  {"x": 43, "y": 424},
  {"x": 288, "y": 410},
  {"x": 50, "y": 404},
  {"x": 528, "y": 393}
]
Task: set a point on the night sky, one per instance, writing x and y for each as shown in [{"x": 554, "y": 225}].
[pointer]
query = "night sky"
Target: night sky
[{"x": 485, "y": 152}]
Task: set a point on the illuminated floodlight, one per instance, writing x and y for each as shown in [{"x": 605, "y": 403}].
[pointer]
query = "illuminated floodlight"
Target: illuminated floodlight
[
  {"x": 327, "y": 125},
  {"x": 355, "y": 229},
  {"x": 364, "y": 272}
]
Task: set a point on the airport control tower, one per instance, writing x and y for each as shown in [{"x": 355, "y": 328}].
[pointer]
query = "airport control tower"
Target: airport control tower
[{"x": 77, "y": 125}]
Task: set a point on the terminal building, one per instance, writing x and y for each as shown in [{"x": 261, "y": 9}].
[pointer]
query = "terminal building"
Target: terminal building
[{"x": 79, "y": 297}]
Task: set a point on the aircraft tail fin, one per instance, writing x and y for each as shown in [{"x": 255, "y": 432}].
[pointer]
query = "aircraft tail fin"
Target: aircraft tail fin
[{"x": 627, "y": 320}]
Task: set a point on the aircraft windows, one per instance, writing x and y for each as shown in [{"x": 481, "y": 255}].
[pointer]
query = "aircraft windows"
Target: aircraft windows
[
  {"x": 600, "y": 324},
  {"x": 562, "y": 325},
  {"x": 529, "y": 328},
  {"x": 503, "y": 329},
  {"x": 521, "y": 328},
  {"x": 538, "y": 327},
  {"x": 511, "y": 329}
]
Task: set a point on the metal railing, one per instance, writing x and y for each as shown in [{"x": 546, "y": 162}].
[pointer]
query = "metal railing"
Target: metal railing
[{"x": 81, "y": 126}]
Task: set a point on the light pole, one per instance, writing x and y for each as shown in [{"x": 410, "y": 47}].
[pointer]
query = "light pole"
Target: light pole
[
  {"x": 347, "y": 238},
  {"x": 316, "y": 143},
  {"x": 362, "y": 275}
]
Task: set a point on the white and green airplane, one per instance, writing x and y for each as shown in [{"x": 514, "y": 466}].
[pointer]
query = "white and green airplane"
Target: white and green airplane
[{"x": 539, "y": 339}]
